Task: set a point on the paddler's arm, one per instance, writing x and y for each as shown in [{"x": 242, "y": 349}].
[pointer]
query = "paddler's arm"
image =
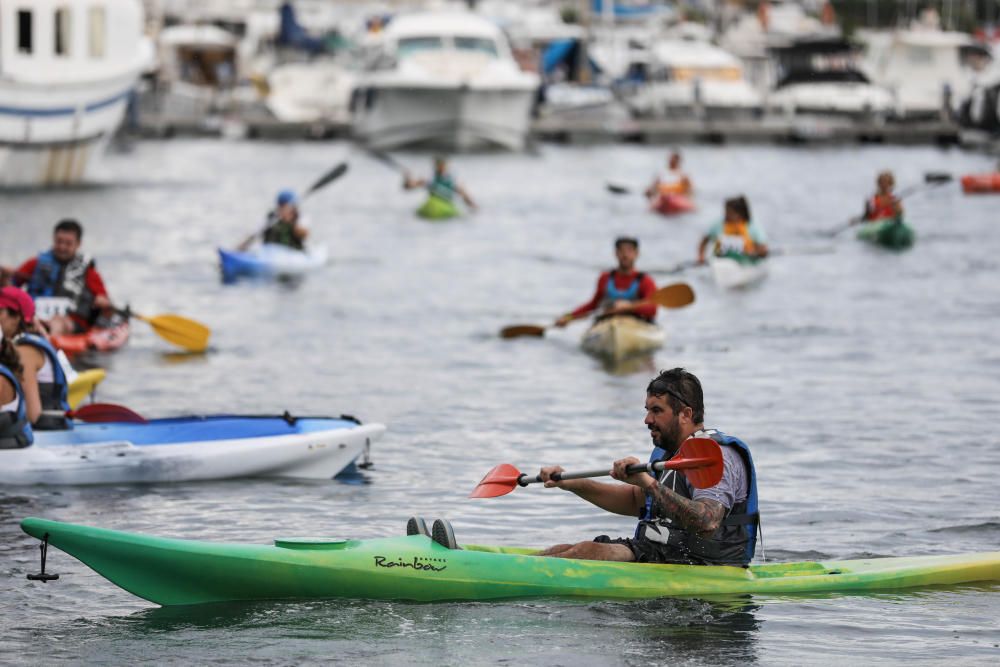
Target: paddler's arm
[
  {"x": 616, "y": 498},
  {"x": 701, "y": 248},
  {"x": 410, "y": 183},
  {"x": 30, "y": 361},
  {"x": 466, "y": 198},
  {"x": 96, "y": 286},
  {"x": 588, "y": 307},
  {"x": 700, "y": 516},
  {"x": 653, "y": 188}
]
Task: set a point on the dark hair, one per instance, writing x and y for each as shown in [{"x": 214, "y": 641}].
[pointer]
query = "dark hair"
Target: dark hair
[
  {"x": 9, "y": 358},
  {"x": 740, "y": 205},
  {"x": 69, "y": 225},
  {"x": 680, "y": 389},
  {"x": 621, "y": 240}
]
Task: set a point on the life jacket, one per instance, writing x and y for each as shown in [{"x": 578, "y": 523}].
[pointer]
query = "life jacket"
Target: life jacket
[
  {"x": 442, "y": 187},
  {"x": 69, "y": 280},
  {"x": 630, "y": 293},
  {"x": 735, "y": 540},
  {"x": 282, "y": 233},
  {"x": 881, "y": 207},
  {"x": 735, "y": 239},
  {"x": 15, "y": 431},
  {"x": 668, "y": 186},
  {"x": 54, "y": 394}
]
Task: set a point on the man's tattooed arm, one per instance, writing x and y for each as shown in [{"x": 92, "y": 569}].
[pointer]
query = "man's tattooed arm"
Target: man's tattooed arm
[{"x": 700, "y": 516}]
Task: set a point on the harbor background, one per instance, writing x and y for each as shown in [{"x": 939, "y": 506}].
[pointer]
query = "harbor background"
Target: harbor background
[{"x": 865, "y": 381}]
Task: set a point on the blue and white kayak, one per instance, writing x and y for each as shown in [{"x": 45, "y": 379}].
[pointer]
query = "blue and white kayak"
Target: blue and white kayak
[
  {"x": 270, "y": 260},
  {"x": 185, "y": 449}
]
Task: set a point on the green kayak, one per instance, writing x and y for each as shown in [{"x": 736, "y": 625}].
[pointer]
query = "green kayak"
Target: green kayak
[
  {"x": 436, "y": 208},
  {"x": 893, "y": 234},
  {"x": 177, "y": 572}
]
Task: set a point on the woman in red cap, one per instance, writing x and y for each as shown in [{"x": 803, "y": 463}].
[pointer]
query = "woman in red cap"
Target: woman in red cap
[
  {"x": 43, "y": 380},
  {"x": 15, "y": 431}
]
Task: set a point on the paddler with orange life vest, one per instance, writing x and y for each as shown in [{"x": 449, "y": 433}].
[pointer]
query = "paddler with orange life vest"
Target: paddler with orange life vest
[
  {"x": 619, "y": 289},
  {"x": 736, "y": 234},
  {"x": 672, "y": 182},
  {"x": 65, "y": 272},
  {"x": 884, "y": 204}
]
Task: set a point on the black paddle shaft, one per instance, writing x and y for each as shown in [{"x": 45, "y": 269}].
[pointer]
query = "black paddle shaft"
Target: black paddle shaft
[{"x": 525, "y": 480}]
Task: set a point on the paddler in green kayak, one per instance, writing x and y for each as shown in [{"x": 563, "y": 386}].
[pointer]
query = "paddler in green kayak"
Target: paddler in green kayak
[
  {"x": 884, "y": 204},
  {"x": 678, "y": 523},
  {"x": 736, "y": 236},
  {"x": 442, "y": 188},
  {"x": 284, "y": 224}
]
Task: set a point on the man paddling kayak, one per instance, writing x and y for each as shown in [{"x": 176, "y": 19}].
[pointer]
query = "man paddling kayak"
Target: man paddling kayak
[
  {"x": 672, "y": 182},
  {"x": 441, "y": 185},
  {"x": 736, "y": 236},
  {"x": 284, "y": 224},
  {"x": 43, "y": 381},
  {"x": 65, "y": 273},
  {"x": 618, "y": 290},
  {"x": 677, "y": 522},
  {"x": 884, "y": 204}
]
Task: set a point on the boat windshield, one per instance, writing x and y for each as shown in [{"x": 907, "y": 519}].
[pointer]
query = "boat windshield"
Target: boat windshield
[
  {"x": 477, "y": 44},
  {"x": 410, "y": 45},
  {"x": 820, "y": 76}
]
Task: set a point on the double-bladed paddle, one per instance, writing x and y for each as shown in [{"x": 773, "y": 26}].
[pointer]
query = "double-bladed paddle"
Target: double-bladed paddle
[
  {"x": 181, "y": 331},
  {"x": 700, "y": 459},
  {"x": 931, "y": 179},
  {"x": 105, "y": 413},
  {"x": 676, "y": 295}
]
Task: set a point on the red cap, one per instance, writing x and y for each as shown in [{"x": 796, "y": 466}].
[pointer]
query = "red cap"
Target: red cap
[{"x": 18, "y": 300}]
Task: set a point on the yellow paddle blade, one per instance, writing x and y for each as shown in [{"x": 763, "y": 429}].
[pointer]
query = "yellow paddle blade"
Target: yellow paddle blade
[
  {"x": 518, "y": 330},
  {"x": 178, "y": 330},
  {"x": 677, "y": 295}
]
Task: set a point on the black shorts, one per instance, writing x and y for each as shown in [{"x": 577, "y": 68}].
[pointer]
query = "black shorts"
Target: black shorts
[{"x": 647, "y": 551}]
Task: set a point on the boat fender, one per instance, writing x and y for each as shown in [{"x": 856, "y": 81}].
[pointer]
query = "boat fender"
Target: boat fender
[
  {"x": 289, "y": 418},
  {"x": 43, "y": 576}
]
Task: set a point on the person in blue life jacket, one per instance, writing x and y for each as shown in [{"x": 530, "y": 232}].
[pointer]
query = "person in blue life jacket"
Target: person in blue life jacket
[
  {"x": 441, "y": 185},
  {"x": 677, "y": 522},
  {"x": 43, "y": 380},
  {"x": 284, "y": 224},
  {"x": 15, "y": 430}
]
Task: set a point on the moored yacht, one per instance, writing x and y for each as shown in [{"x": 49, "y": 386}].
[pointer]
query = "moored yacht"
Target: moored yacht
[
  {"x": 444, "y": 79},
  {"x": 67, "y": 70}
]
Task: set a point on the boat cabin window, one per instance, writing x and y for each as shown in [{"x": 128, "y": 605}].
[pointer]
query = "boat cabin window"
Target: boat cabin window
[
  {"x": 24, "y": 31},
  {"x": 97, "y": 32},
  {"x": 478, "y": 44},
  {"x": 919, "y": 55},
  {"x": 63, "y": 30},
  {"x": 410, "y": 45}
]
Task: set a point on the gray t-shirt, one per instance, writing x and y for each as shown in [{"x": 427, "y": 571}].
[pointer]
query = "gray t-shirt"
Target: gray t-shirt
[{"x": 731, "y": 489}]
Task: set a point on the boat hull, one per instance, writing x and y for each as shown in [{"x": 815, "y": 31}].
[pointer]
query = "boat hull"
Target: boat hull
[
  {"x": 96, "y": 339},
  {"x": 189, "y": 449},
  {"x": 617, "y": 338},
  {"x": 183, "y": 572},
  {"x": 891, "y": 234},
  {"x": 270, "y": 261},
  {"x": 733, "y": 273},
  {"x": 672, "y": 204},
  {"x": 435, "y": 208}
]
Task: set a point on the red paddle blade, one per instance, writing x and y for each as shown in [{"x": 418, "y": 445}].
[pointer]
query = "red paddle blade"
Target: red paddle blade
[
  {"x": 700, "y": 459},
  {"x": 106, "y": 413},
  {"x": 498, "y": 482}
]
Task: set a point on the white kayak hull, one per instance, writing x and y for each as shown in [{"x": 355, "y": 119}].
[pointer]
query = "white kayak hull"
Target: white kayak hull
[
  {"x": 316, "y": 454},
  {"x": 271, "y": 261},
  {"x": 617, "y": 338},
  {"x": 730, "y": 273}
]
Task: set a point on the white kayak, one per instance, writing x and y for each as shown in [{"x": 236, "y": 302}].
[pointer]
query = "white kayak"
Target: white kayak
[
  {"x": 616, "y": 338},
  {"x": 732, "y": 273},
  {"x": 270, "y": 260},
  {"x": 186, "y": 449}
]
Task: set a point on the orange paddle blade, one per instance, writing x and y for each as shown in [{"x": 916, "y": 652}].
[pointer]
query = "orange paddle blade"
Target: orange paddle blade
[
  {"x": 498, "y": 482},
  {"x": 677, "y": 295},
  {"x": 700, "y": 459},
  {"x": 519, "y": 330}
]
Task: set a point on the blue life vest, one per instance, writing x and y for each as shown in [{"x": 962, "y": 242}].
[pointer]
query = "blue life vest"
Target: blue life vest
[
  {"x": 53, "y": 278},
  {"x": 15, "y": 431},
  {"x": 612, "y": 293},
  {"x": 54, "y": 395},
  {"x": 735, "y": 541}
]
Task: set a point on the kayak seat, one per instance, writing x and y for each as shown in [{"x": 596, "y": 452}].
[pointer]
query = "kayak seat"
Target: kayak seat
[
  {"x": 443, "y": 534},
  {"x": 417, "y": 526}
]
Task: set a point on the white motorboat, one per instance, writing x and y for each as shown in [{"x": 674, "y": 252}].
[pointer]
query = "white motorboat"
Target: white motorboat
[
  {"x": 691, "y": 76},
  {"x": 312, "y": 91},
  {"x": 445, "y": 79},
  {"x": 736, "y": 273},
  {"x": 818, "y": 76},
  {"x": 67, "y": 71}
]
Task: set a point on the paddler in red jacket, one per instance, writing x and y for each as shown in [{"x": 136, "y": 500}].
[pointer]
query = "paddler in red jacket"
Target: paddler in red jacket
[
  {"x": 65, "y": 272},
  {"x": 619, "y": 289},
  {"x": 884, "y": 204}
]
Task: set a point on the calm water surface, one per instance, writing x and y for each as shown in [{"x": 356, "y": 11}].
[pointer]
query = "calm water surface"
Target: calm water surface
[{"x": 866, "y": 382}]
